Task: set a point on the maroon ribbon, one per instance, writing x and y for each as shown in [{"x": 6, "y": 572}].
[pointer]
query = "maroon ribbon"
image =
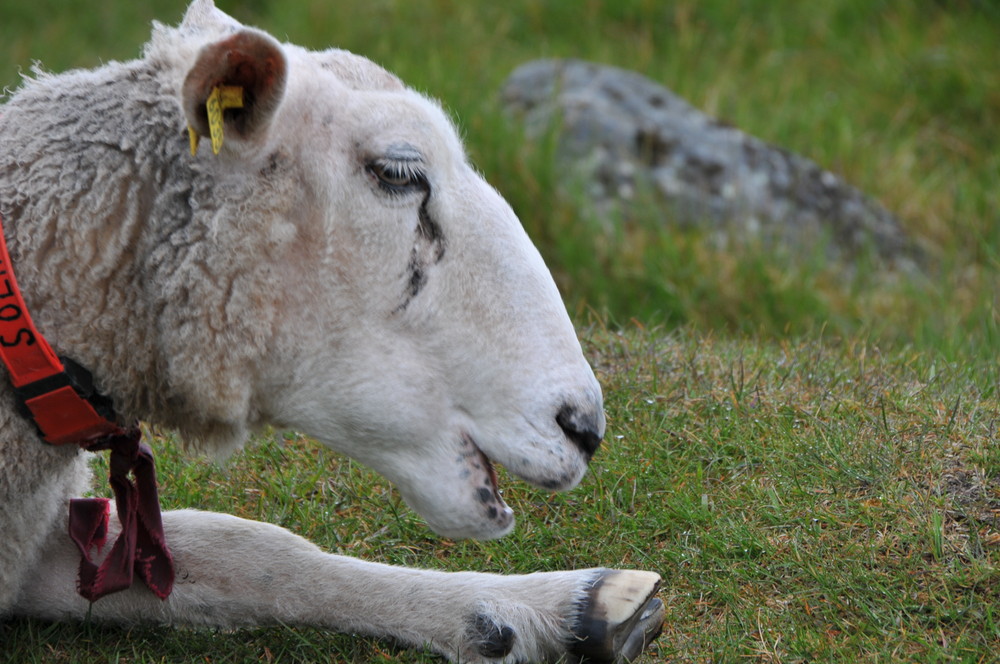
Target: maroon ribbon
[{"x": 141, "y": 547}]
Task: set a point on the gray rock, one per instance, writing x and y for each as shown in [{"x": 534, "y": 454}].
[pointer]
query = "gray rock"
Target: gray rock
[{"x": 621, "y": 132}]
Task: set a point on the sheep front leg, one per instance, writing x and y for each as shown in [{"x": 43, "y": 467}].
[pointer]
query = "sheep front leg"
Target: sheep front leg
[{"x": 232, "y": 572}]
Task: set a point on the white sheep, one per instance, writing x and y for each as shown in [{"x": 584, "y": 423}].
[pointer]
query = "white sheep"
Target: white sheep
[{"x": 338, "y": 268}]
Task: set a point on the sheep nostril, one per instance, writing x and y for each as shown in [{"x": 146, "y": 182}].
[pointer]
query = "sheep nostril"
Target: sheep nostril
[{"x": 581, "y": 427}]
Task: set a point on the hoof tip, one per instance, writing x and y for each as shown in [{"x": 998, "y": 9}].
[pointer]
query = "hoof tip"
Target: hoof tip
[{"x": 618, "y": 618}]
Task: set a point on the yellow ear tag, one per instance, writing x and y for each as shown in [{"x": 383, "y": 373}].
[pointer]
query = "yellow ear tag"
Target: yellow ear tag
[
  {"x": 221, "y": 98},
  {"x": 195, "y": 139}
]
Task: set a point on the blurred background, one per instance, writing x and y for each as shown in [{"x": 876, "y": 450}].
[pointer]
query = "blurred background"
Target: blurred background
[{"x": 901, "y": 98}]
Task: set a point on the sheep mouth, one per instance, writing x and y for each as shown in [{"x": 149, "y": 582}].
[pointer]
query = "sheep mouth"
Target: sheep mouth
[
  {"x": 491, "y": 474},
  {"x": 488, "y": 491}
]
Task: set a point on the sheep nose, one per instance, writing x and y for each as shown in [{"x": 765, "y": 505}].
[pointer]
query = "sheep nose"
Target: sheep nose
[{"x": 584, "y": 427}]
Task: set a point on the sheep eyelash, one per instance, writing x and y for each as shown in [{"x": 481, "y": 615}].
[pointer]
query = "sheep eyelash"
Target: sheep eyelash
[{"x": 397, "y": 177}]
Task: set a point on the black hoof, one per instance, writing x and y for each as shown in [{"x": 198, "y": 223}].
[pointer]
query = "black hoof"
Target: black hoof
[
  {"x": 491, "y": 639},
  {"x": 618, "y": 618}
]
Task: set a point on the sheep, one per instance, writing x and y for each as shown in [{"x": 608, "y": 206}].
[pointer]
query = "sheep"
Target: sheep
[{"x": 328, "y": 262}]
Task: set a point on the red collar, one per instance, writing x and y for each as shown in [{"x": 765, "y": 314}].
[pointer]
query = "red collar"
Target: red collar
[
  {"x": 57, "y": 394},
  {"x": 54, "y": 397}
]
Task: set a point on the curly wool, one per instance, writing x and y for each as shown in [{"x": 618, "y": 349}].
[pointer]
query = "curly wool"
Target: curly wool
[{"x": 98, "y": 162}]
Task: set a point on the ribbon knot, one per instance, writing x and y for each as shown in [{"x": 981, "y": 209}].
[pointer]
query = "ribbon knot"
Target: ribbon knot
[{"x": 140, "y": 548}]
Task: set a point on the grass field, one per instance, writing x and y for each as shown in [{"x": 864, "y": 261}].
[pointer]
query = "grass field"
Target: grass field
[{"x": 808, "y": 456}]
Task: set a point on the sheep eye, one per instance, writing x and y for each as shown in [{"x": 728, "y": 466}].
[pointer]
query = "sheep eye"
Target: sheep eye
[{"x": 397, "y": 177}]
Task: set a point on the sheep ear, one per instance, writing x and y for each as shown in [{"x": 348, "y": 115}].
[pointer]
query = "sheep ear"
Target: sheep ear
[
  {"x": 203, "y": 13},
  {"x": 234, "y": 88}
]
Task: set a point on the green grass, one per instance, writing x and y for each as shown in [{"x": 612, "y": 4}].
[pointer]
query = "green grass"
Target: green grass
[
  {"x": 808, "y": 455},
  {"x": 804, "y": 501}
]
